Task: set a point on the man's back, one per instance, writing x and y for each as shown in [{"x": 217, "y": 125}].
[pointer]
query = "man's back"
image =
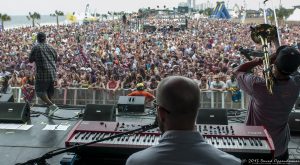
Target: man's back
[
  {"x": 182, "y": 147},
  {"x": 141, "y": 93},
  {"x": 271, "y": 110},
  {"x": 177, "y": 106},
  {"x": 44, "y": 57}
]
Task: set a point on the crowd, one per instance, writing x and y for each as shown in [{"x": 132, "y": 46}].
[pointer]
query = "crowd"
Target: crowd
[{"x": 99, "y": 55}]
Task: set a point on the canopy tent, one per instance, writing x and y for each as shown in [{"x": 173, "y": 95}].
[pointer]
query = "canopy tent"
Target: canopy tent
[{"x": 295, "y": 16}]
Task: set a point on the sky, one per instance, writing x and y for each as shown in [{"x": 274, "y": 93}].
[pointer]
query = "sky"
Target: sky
[{"x": 22, "y": 7}]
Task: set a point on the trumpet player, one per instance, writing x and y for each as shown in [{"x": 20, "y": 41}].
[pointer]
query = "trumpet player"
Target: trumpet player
[{"x": 272, "y": 110}]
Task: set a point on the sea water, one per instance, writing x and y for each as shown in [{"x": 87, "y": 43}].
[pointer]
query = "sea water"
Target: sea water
[{"x": 22, "y": 21}]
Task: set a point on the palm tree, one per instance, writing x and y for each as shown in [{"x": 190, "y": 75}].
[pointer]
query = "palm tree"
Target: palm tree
[
  {"x": 109, "y": 13},
  {"x": 122, "y": 13},
  {"x": 116, "y": 14},
  {"x": 33, "y": 16},
  {"x": 140, "y": 13},
  {"x": 104, "y": 16},
  {"x": 283, "y": 13},
  {"x": 4, "y": 17},
  {"x": 113, "y": 14},
  {"x": 57, "y": 14}
]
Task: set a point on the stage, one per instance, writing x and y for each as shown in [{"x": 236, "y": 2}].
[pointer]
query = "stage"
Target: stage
[{"x": 18, "y": 146}]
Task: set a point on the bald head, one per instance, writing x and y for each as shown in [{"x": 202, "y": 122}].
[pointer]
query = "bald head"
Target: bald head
[{"x": 179, "y": 95}]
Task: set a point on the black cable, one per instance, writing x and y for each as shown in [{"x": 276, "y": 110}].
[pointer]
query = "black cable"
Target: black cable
[
  {"x": 236, "y": 116},
  {"x": 76, "y": 117}
]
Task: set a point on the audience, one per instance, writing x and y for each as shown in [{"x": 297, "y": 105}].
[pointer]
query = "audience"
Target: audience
[{"x": 122, "y": 58}]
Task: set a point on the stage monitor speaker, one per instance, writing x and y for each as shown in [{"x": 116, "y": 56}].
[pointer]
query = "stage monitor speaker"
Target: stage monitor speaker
[
  {"x": 6, "y": 97},
  {"x": 131, "y": 104},
  {"x": 294, "y": 122},
  {"x": 95, "y": 112},
  {"x": 212, "y": 116},
  {"x": 14, "y": 112}
]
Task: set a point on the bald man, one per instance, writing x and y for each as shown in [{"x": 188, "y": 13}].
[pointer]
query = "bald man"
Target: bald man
[{"x": 178, "y": 101}]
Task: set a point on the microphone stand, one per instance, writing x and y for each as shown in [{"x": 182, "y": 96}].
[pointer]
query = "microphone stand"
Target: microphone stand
[{"x": 42, "y": 160}]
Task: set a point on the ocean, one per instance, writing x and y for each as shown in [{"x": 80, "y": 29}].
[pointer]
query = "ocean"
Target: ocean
[{"x": 22, "y": 21}]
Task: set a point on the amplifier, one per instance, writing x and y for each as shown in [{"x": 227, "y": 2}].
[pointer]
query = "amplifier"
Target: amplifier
[
  {"x": 14, "y": 112},
  {"x": 95, "y": 112},
  {"x": 131, "y": 104},
  {"x": 294, "y": 122}
]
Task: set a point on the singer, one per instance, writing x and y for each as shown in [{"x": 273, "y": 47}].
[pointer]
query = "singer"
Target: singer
[
  {"x": 45, "y": 58},
  {"x": 178, "y": 101}
]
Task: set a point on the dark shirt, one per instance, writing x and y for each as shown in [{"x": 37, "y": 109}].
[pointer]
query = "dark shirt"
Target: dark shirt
[
  {"x": 153, "y": 85},
  {"x": 44, "y": 57}
]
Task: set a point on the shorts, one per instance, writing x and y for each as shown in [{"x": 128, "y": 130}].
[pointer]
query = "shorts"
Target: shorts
[{"x": 43, "y": 88}]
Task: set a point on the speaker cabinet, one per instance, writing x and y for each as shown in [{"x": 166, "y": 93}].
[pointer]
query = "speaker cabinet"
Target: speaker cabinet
[
  {"x": 14, "y": 112},
  {"x": 95, "y": 112},
  {"x": 131, "y": 104},
  {"x": 6, "y": 97}
]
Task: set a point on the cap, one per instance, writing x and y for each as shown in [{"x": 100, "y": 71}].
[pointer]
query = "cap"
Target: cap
[
  {"x": 140, "y": 86},
  {"x": 287, "y": 60}
]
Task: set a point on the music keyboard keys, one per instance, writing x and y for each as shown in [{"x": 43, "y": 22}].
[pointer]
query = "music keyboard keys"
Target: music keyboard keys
[{"x": 239, "y": 140}]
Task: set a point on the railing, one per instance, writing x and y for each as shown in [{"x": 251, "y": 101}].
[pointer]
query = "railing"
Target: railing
[{"x": 83, "y": 96}]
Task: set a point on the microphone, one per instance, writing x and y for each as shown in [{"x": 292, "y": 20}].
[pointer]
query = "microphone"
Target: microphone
[{"x": 250, "y": 52}]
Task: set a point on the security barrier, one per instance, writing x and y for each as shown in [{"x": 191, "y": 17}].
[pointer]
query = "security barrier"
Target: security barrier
[{"x": 83, "y": 96}]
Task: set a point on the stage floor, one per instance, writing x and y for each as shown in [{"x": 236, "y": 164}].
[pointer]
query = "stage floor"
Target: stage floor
[{"x": 18, "y": 146}]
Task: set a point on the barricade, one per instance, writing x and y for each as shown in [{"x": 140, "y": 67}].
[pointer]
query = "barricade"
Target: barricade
[{"x": 83, "y": 96}]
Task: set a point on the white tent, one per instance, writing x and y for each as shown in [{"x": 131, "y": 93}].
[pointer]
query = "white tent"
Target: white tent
[{"x": 295, "y": 16}]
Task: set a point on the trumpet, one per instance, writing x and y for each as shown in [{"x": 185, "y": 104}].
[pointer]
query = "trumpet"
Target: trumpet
[{"x": 264, "y": 34}]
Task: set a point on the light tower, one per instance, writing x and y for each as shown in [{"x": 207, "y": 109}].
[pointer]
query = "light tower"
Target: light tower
[
  {"x": 189, "y": 3},
  {"x": 194, "y": 4}
]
